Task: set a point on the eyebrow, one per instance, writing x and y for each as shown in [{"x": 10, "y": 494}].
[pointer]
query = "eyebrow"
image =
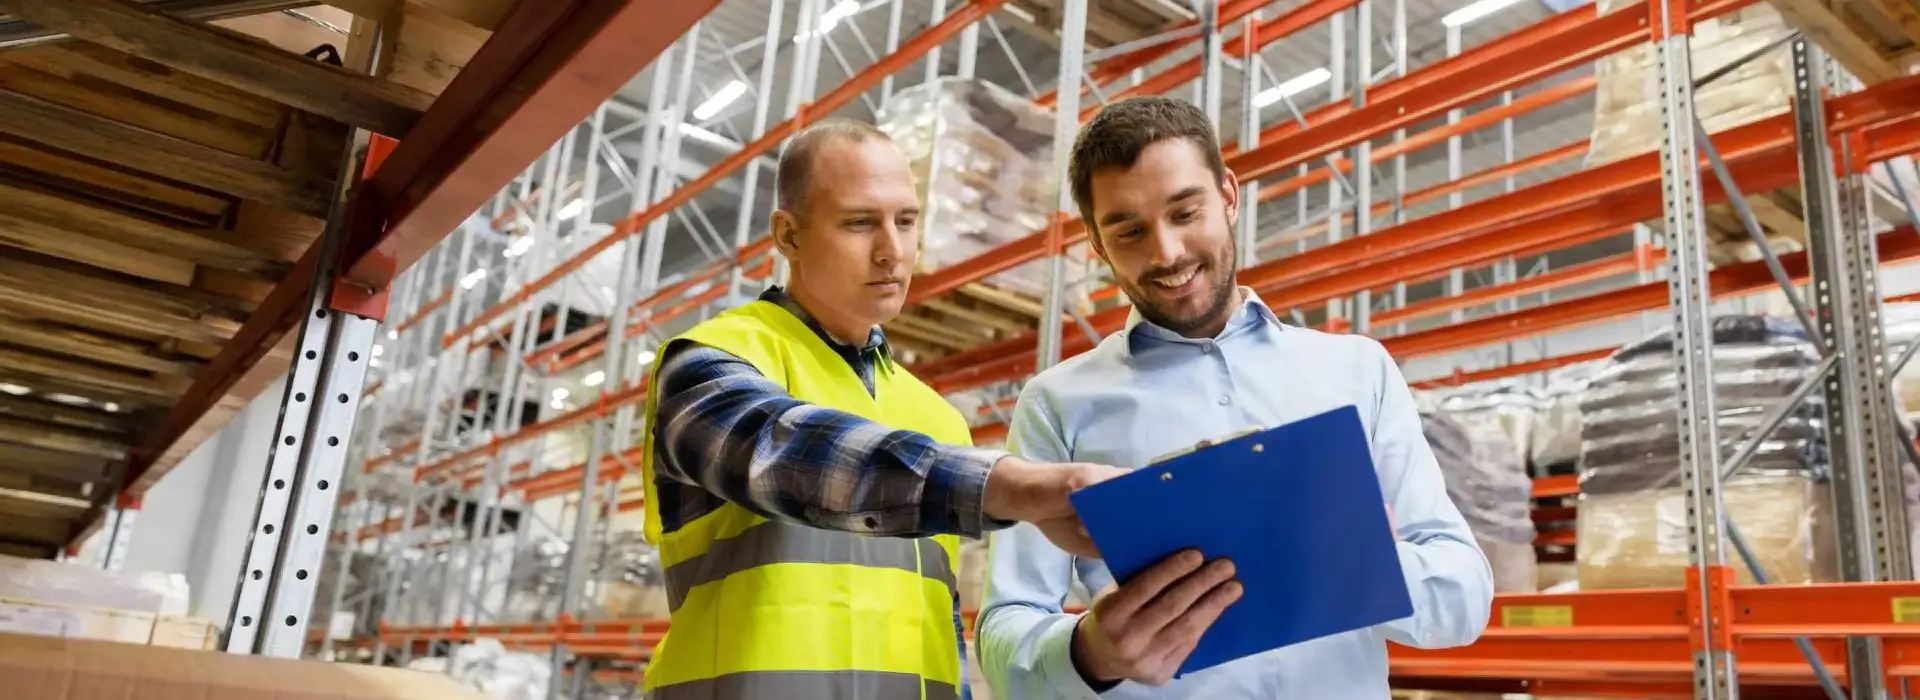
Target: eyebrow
[{"x": 1122, "y": 216}]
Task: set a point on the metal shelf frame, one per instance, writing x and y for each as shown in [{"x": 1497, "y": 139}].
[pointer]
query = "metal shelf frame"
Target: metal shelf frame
[{"x": 458, "y": 428}]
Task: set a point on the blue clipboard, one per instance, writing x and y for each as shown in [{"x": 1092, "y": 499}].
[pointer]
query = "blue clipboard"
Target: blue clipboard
[{"x": 1299, "y": 510}]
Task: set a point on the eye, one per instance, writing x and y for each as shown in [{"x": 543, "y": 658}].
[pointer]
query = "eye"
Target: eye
[
  {"x": 907, "y": 221},
  {"x": 1129, "y": 233},
  {"x": 859, "y": 224},
  {"x": 1186, "y": 215}
]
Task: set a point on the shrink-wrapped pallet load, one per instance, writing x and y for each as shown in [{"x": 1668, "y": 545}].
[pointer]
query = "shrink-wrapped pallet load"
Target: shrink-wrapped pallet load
[
  {"x": 1633, "y": 513},
  {"x": 984, "y": 160},
  {"x": 1486, "y": 478}
]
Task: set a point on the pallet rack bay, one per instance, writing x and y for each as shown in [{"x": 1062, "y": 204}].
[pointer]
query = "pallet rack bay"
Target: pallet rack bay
[{"x": 462, "y": 449}]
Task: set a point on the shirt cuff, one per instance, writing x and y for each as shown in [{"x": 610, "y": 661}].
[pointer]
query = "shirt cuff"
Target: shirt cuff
[
  {"x": 956, "y": 497},
  {"x": 1056, "y": 661}
]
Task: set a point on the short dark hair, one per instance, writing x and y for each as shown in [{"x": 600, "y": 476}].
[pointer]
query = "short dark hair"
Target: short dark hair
[
  {"x": 796, "y": 160},
  {"x": 1116, "y": 136}
]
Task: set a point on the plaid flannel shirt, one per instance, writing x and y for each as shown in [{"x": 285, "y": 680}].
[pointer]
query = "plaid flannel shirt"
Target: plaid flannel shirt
[{"x": 724, "y": 433}]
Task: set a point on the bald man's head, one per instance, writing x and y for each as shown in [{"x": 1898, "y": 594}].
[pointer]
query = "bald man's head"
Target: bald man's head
[{"x": 796, "y": 161}]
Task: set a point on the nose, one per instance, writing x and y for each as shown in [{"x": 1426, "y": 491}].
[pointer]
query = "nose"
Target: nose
[
  {"x": 889, "y": 246},
  {"x": 1164, "y": 247}
]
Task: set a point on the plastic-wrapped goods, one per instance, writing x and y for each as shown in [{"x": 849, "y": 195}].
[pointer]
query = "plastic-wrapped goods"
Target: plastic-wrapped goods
[
  {"x": 1508, "y": 409},
  {"x": 1629, "y": 440},
  {"x": 1639, "y": 540},
  {"x": 1555, "y": 432},
  {"x": 499, "y": 673},
  {"x": 1485, "y": 477},
  {"x": 61, "y": 583},
  {"x": 1487, "y": 480},
  {"x": 984, "y": 160},
  {"x": 1902, "y": 322}
]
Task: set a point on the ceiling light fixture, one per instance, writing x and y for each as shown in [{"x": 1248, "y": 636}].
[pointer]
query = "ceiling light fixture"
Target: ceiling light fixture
[
  {"x": 840, "y": 10},
  {"x": 644, "y": 358},
  {"x": 1477, "y": 10},
  {"x": 15, "y": 389},
  {"x": 569, "y": 210},
  {"x": 524, "y": 242},
  {"x": 719, "y": 100},
  {"x": 1293, "y": 86},
  {"x": 593, "y": 378},
  {"x": 473, "y": 278}
]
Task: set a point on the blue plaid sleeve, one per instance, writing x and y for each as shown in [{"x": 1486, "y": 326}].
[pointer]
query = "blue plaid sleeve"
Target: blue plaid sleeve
[{"x": 723, "y": 427}]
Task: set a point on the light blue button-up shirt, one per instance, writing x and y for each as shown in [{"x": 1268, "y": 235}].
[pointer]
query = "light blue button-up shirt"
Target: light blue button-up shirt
[{"x": 1146, "y": 392}]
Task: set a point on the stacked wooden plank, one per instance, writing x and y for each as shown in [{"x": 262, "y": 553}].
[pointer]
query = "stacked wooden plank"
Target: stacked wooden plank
[{"x": 160, "y": 176}]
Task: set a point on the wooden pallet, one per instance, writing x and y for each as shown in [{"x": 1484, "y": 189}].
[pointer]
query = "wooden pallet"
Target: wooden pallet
[
  {"x": 974, "y": 315},
  {"x": 1876, "y": 40}
]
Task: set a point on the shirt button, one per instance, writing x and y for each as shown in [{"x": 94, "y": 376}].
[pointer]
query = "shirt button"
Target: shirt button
[
  {"x": 872, "y": 522},
  {"x": 1206, "y": 347},
  {"x": 1224, "y": 400}
]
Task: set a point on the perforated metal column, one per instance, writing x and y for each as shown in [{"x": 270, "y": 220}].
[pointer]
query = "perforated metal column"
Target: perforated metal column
[
  {"x": 310, "y": 447},
  {"x": 1690, "y": 304}
]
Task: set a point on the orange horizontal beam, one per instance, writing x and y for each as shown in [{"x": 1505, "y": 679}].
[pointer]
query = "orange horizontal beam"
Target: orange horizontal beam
[
  {"x": 1118, "y": 67},
  {"x": 1473, "y": 122},
  {"x": 1518, "y": 369},
  {"x": 600, "y": 408},
  {"x": 1269, "y": 31},
  {"x": 1585, "y": 206},
  {"x": 1546, "y": 281},
  {"x": 1500, "y": 65},
  {"x": 1729, "y": 281},
  {"x": 848, "y": 91},
  {"x": 1556, "y": 486}
]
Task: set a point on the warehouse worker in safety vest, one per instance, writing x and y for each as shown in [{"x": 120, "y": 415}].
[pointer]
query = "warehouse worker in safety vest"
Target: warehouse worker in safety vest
[
  {"x": 805, "y": 491},
  {"x": 1200, "y": 359}
]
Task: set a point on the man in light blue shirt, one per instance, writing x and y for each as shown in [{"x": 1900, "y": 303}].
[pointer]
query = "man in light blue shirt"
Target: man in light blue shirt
[{"x": 1202, "y": 358}]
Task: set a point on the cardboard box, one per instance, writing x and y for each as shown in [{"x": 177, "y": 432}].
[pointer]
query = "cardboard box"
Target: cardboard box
[
  {"x": 51, "y": 668},
  {"x": 184, "y": 633}
]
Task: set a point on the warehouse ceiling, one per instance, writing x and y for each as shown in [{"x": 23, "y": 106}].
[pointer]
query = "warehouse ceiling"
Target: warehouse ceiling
[{"x": 1021, "y": 57}]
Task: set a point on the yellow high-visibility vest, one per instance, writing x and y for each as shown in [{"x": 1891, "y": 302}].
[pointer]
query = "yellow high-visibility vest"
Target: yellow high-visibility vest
[{"x": 764, "y": 609}]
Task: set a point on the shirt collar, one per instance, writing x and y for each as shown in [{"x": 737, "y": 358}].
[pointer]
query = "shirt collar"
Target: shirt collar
[
  {"x": 876, "y": 339},
  {"x": 1252, "y": 312}
]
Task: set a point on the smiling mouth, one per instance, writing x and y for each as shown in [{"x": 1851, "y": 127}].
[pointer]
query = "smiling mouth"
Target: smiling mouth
[{"x": 1176, "y": 280}]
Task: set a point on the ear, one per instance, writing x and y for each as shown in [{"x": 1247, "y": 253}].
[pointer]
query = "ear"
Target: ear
[
  {"x": 786, "y": 232},
  {"x": 1230, "y": 193}
]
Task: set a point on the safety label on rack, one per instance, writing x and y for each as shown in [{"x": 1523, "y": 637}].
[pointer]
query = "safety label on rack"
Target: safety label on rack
[
  {"x": 1536, "y": 616},
  {"x": 1906, "y": 611}
]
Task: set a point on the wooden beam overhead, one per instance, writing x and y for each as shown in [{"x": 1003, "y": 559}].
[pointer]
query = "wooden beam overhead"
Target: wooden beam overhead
[
  {"x": 93, "y": 136},
  {"x": 73, "y": 416},
  {"x": 60, "y": 465},
  {"x": 46, "y": 436},
  {"x": 83, "y": 373},
  {"x": 235, "y": 60},
  {"x": 126, "y": 399},
  {"x": 93, "y": 220},
  {"x": 50, "y": 337}
]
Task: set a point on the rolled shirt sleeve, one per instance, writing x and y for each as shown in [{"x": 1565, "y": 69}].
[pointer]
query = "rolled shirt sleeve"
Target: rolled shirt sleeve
[{"x": 722, "y": 426}]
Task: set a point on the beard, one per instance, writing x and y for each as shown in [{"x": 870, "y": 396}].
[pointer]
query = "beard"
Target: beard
[{"x": 1216, "y": 303}]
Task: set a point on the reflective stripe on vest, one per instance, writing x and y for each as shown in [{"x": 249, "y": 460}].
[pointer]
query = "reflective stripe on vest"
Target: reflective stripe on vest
[
  {"x": 780, "y": 543},
  {"x": 809, "y": 685},
  {"x": 765, "y": 609}
]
